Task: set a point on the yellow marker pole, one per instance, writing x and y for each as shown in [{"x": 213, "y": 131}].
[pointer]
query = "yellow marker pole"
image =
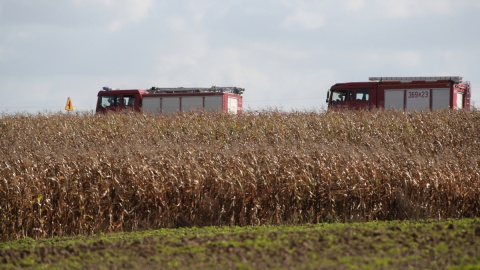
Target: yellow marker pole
[{"x": 69, "y": 106}]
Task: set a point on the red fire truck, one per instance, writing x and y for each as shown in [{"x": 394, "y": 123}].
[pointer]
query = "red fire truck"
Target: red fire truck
[
  {"x": 405, "y": 93},
  {"x": 168, "y": 100}
]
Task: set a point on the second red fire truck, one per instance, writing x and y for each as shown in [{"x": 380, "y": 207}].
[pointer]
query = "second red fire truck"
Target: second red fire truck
[{"x": 405, "y": 93}]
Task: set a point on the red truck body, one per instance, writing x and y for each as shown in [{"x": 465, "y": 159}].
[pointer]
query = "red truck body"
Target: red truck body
[
  {"x": 404, "y": 93},
  {"x": 171, "y": 100}
]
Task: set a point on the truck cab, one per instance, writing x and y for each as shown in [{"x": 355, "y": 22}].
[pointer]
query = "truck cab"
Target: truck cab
[
  {"x": 352, "y": 96},
  {"x": 119, "y": 100}
]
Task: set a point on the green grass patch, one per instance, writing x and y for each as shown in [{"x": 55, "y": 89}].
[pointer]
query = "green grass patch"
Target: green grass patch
[{"x": 425, "y": 244}]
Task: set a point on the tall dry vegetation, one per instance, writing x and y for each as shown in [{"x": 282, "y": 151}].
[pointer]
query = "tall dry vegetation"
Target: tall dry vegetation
[{"x": 82, "y": 174}]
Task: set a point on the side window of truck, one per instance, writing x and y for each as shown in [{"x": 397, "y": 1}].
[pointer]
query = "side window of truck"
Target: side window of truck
[
  {"x": 362, "y": 95},
  {"x": 128, "y": 100}
]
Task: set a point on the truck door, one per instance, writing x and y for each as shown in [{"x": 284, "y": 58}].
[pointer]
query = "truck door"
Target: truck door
[
  {"x": 338, "y": 98},
  {"x": 128, "y": 102},
  {"x": 352, "y": 98},
  {"x": 359, "y": 98}
]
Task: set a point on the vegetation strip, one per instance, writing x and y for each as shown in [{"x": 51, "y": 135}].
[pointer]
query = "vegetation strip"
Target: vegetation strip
[
  {"x": 83, "y": 174},
  {"x": 428, "y": 244}
]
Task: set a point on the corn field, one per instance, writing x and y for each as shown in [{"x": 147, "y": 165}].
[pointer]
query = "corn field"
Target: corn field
[{"x": 82, "y": 174}]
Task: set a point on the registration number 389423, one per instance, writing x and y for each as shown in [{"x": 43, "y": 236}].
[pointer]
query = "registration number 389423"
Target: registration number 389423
[{"x": 418, "y": 94}]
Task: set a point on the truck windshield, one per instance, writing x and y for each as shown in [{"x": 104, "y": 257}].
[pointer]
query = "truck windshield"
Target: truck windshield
[
  {"x": 108, "y": 101},
  {"x": 338, "y": 95}
]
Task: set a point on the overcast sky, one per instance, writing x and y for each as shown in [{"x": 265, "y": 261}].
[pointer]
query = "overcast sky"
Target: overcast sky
[{"x": 285, "y": 53}]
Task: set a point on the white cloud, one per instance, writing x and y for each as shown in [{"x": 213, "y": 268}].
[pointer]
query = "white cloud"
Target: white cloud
[
  {"x": 130, "y": 11},
  {"x": 184, "y": 50},
  {"x": 287, "y": 55},
  {"x": 354, "y": 5},
  {"x": 306, "y": 14},
  {"x": 411, "y": 8},
  {"x": 176, "y": 24},
  {"x": 456, "y": 63},
  {"x": 87, "y": 2},
  {"x": 125, "y": 11},
  {"x": 199, "y": 9},
  {"x": 305, "y": 18},
  {"x": 407, "y": 58},
  {"x": 376, "y": 60}
]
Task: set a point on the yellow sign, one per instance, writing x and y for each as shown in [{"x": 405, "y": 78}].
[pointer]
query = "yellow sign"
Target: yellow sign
[{"x": 69, "y": 106}]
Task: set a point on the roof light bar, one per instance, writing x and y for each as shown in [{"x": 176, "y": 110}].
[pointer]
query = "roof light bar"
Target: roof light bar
[
  {"x": 234, "y": 90},
  {"x": 456, "y": 79}
]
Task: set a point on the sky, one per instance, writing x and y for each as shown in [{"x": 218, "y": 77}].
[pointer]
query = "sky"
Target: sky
[{"x": 285, "y": 53}]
